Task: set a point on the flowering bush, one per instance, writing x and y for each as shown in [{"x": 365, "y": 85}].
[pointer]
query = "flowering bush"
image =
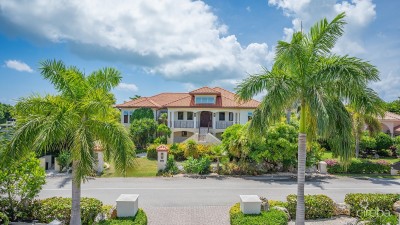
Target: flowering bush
[
  {"x": 331, "y": 162},
  {"x": 383, "y": 162}
]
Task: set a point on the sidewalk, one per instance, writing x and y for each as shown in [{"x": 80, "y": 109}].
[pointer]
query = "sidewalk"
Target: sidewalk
[{"x": 201, "y": 215}]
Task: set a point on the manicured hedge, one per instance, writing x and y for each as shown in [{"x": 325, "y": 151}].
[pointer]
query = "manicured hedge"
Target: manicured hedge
[
  {"x": 360, "y": 167},
  {"x": 361, "y": 202},
  {"x": 60, "y": 208},
  {"x": 271, "y": 217},
  {"x": 152, "y": 151},
  {"x": 317, "y": 206},
  {"x": 139, "y": 219}
]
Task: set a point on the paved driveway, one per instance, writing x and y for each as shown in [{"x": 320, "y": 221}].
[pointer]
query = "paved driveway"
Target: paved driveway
[{"x": 181, "y": 200}]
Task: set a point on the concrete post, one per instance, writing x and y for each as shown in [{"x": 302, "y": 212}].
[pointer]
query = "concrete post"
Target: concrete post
[
  {"x": 322, "y": 166},
  {"x": 100, "y": 162},
  {"x": 42, "y": 162},
  {"x": 127, "y": 205},
  {"x": 57, "y": 166},
  {"x": 162, "y": 156}
]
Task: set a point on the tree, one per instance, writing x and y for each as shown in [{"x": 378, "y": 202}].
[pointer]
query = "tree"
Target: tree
[
  {"x": 21, "y": 180},
  {"x": 218, "y": 153},
  {"x": 135, "y": 97},
  {"x": 142, "y": 131},
  {"x": 142, "y": 113},
  {"x": 163, "y": 132},
  {"x": 368, "y": 119},
  {"x": 393, "y": 106},
  {"x": 83, "y": 112},
  {"x": 163, "y": 119},
  {"x": 305, "y": 70}
]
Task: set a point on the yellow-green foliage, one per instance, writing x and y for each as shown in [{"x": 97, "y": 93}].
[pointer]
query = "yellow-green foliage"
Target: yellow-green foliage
[{"x": 271, "y": 217}]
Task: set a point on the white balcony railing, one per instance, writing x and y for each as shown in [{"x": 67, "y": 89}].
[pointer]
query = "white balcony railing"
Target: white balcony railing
[
  {"x": 184, "y": 124},
  {"x": 223, "y": 124}
]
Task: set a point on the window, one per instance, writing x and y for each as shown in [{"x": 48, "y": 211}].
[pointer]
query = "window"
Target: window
[
  {"x": 221, "y": 116},
  {"x": 189, "y": 115},
  {"x": 231, "y": 116},
  {"x": 180, "y": 115},
  {"x": 249, "y": 116},
  {"x": 127, "y": 116},
  {"x": 184, "y": 133},
  {"x": 205, "y": 100}
]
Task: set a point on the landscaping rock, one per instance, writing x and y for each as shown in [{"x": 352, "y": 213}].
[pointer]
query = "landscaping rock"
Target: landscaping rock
[
  {"x": 342, "y": 209},
  {"x": 396, "y": 207},
  {"x": 283, "y": 210}
]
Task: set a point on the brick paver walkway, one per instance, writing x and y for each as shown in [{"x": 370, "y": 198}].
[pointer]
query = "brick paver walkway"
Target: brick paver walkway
[{"x": 202, "y": 215}]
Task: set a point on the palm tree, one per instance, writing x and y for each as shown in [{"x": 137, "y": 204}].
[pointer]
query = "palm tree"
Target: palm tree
[
  {"x": 367, "y": 119},
  {"x": 81, "y": 112},
  {"x": 306, "y": 71}
]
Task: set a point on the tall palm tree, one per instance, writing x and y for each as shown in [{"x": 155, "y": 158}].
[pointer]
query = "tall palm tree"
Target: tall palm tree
[
  {"x": 305, "y": 70},
  {"x": 81, "y": 112}
]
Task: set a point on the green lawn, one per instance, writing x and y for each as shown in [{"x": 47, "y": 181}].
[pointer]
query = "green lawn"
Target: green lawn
[
  {"x": 328, "y": 155},
  {"x": 143, "y": 168}
]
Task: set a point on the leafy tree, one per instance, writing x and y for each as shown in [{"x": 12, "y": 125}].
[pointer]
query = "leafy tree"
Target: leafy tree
[
  {"x": 280, "y": 145},
  {"x": 393, "y": 106},
  {"x": 235, "y": 141},
  {"x": 83, "y": 113},
  {"x": 306, "y": 71},
  {"x": 5, "y": 112},
  {"x": 64, "y": 159},
  {"x": 218, "y": 153},
  {"x": 21, "y": 180},
  {"x": 163, "y": 131},
  {"x": 142, "y": 131},
  {"x": 163, "y": 119},
  {"x": 383, "y": 141},
  {"x": 142, "y": 113}
]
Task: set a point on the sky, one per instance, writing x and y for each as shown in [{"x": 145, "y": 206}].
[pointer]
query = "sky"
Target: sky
[{"x": 179, "y": 45}]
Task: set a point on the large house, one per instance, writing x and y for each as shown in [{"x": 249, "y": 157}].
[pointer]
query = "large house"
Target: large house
[
  {"x": 201, "y": 115},
  {"x": 390, "y": 123}
]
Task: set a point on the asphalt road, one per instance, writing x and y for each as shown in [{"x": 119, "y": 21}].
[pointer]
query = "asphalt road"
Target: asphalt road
[{"x": 191, "y": 192}]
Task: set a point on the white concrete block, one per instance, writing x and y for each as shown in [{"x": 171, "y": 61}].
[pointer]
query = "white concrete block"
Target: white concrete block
[
  {"x": 322, "y": 166},
  {"x": 250, "y": 204},
  {"x": 57, "y": 166},
  {"x": 127, "y": 205}
]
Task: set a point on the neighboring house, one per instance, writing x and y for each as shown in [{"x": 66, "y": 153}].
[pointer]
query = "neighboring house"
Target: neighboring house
[
  {"x": 201, "y": 115},
  {"x": 390, "y": 124}
]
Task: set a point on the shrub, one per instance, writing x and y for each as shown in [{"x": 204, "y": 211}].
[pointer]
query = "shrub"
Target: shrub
[
  {"x": 60, "y": 208},
  {"x": 367, "y": 142},
  {"x": 197, "y": 166},
  {"x": 64, "y": 159},
  {"x": 21, "y": 180},
  {"x": 383, "y": 141},
  {"x": 360, "y": 202},
  {"x": 273, "y": 203},
  {"x": 204, "y": 150},
  {"x": 142, "y": 131},
  {"x": 178, "y": 151},
  {"x": 317, "y": 206},
  {"x": 362, "y": 167},
  {"x": 152, "y": 152},
  {"x": 271, "y": 217},
  {"x": 171, "y": 166},
  {"x": 191, "y": 149},
  {"x": 377, "y": 217},
  {"x": 139, "y": 219},
  {"x": 4, "y": 219}
]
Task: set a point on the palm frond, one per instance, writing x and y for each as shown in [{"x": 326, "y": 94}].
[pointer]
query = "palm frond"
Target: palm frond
[{"x": 105, "y": 79}]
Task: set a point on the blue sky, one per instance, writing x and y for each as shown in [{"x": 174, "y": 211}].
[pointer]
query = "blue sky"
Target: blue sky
[{"x": 179, "y": 45}]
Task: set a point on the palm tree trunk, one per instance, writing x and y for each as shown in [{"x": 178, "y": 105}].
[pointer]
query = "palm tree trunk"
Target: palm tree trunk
[
  {"x": 76, "y": 196},
  {"x": 301, "y": 168},
  {"x": 288, "y": 115},
  {"x": 357, "y": 145}
]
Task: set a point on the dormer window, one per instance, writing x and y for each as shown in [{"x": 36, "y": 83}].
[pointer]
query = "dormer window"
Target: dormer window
[{"x": 205, "y": 100}]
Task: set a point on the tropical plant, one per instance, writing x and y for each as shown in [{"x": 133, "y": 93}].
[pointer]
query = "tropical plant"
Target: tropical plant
[
  {"x": 142, "y": 132},
  {"x": 393, "y": 106},
  {"x": 83, "y": 112},
  {"x": 142, "y": 113},
  {"x": 163, "y": 131},
  {"x": 191, "y": 149},
  {"x": 21, "y": 180},
  {"x": 306, "y": 71},
  {"x": 163, "y": 119},
  {"x": 5, "y": 112},
  {"x": 367, "y": 118},
  {"x": 218, "y": 152},
  {"x": 64, "y": 159},
  {"x": 236, "y": 141}
]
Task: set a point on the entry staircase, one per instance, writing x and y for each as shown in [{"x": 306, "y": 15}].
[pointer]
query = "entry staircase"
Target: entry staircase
[{"x": 204, "y": 137}]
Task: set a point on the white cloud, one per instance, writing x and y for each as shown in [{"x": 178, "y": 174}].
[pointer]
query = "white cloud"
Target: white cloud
[
  {"x": 18, "y": 65},
  {"x": 127, "y": 87},
  {"x": 181, "y": 40}
]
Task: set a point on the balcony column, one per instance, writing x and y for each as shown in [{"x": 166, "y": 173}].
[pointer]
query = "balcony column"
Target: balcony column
[
  {"x": 173, "y": 119},
  {"x": 195, "y": 119},
  {"x": 214, "y": 120}
]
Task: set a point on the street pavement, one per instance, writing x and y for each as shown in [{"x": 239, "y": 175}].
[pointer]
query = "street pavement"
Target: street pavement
[{"x": 184, "y": 200}]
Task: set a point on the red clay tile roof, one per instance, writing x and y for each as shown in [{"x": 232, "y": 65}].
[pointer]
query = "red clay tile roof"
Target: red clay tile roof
[
  {"x": 205, "y": 91},
  {"x": 391, "y": 116},
  {"x": 225, "y": 99}
]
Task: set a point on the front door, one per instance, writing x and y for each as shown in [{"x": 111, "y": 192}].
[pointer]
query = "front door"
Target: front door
[{"x": 205, "y": 119}]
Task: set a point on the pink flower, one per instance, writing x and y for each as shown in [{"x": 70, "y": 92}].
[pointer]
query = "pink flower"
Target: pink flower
[{"x": 331, "y": 162}]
